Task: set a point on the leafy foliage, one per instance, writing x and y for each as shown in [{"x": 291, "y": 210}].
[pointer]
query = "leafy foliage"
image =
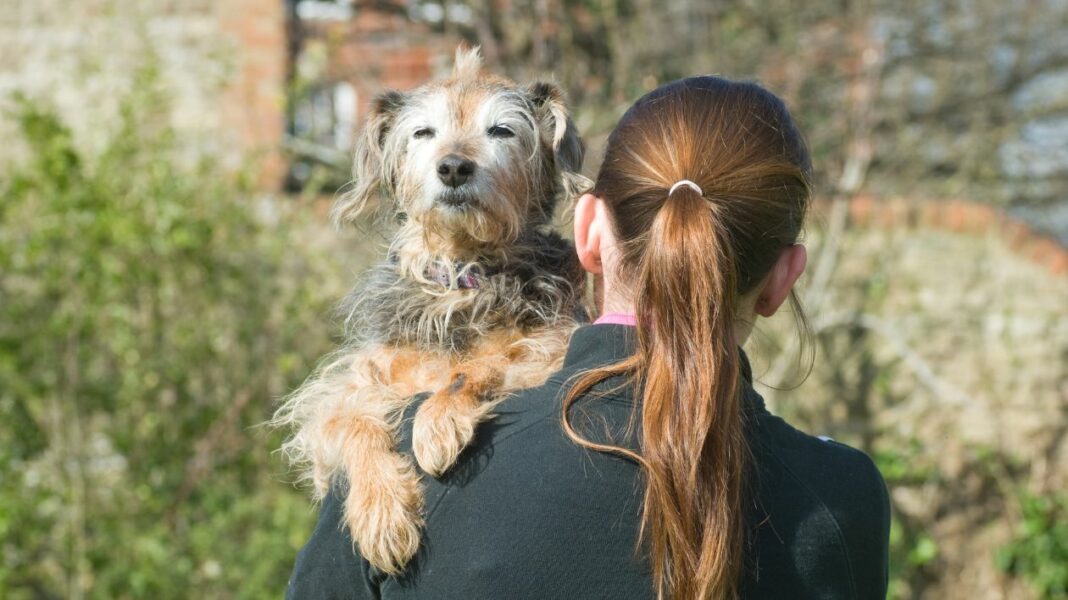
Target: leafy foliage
[
  {"x": 912, "y": 549},
  {"x": 1039, "y": 550},
  {"x": 149, "y": 319}
]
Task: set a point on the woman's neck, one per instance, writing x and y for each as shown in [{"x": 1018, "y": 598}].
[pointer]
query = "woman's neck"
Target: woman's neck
[{"x": 616, "y": 304}]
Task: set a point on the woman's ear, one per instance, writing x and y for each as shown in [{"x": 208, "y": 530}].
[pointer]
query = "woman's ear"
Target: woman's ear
[
  {"x": 369, "y": 165},
  {"x": 781, "y": 279},
  {"x": 590, "y": 232}
]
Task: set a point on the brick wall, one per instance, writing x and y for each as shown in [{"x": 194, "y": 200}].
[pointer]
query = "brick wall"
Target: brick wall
[
  {"x": 222, "y": 64},
  {"x": 959, "y": 216},
  {"x": 253, "y": 102}
]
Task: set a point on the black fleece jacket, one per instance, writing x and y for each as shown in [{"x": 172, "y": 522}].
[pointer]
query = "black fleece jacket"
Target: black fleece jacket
[{"x": 527, "y": 514}]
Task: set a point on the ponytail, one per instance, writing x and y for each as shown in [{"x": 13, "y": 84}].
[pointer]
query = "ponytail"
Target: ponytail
[
  {"x": 693, "y": 449},
  {"x": 691, "y": 418},
  {"x": 688, "y": 255}
]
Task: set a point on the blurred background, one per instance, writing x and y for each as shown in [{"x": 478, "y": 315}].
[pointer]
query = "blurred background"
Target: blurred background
[{"x": 167, "y": 272}]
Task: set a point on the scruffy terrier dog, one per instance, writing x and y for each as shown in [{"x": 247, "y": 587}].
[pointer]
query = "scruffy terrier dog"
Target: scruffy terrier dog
[{"x": 477, "y": 298}]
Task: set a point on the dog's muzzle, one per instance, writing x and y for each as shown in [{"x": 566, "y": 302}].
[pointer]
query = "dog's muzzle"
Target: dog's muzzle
[{"x": 457, "y": 198}]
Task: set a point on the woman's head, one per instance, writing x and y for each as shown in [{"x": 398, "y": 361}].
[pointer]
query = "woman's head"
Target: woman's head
[
  {"x": 737, "y": 142},
  {"x": 692, "y": 261}
]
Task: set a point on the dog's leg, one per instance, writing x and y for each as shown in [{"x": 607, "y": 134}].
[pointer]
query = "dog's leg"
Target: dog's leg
[
  {"x": 360, "y": 402},
  {"x": 384, "y": 500},
  {"x": 445, "y": 424},
  {"x": 446, "y": 421}
]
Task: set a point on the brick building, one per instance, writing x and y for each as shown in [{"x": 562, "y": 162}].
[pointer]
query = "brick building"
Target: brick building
[
  {"x": 341, "y": 55},
  {"x": 283, "y": 82}
]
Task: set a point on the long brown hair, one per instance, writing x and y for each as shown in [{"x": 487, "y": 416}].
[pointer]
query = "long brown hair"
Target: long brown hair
[{"x": 688, "y": 256}]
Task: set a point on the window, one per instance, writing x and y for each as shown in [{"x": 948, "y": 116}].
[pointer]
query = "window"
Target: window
[
  {"x": 321, "y": 130},
  {"x": 324, "y": 10}
]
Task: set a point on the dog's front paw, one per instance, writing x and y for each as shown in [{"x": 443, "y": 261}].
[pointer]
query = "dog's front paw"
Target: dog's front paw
[{"x": 443, "y": 427}]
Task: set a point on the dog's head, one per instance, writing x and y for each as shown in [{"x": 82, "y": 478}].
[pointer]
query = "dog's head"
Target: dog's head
[{"x": 467, "y": 164}]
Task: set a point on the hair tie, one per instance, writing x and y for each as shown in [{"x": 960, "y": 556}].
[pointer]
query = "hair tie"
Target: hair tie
[{"x": 686, "y": 182}]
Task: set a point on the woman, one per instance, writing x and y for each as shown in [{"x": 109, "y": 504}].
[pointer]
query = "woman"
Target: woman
[{"x": 648, "y": 466}]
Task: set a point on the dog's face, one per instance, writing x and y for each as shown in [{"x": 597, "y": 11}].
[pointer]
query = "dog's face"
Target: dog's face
[{"x": 469, "y": 163}]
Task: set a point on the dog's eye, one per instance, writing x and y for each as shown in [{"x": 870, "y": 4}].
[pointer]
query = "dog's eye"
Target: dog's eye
[
  {"x": 500, "y": 131},
  {"x": 423, "y": 132}
]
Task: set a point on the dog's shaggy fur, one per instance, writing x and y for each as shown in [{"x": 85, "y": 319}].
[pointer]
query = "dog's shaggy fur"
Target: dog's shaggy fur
[{"x": 477, "y": 298}]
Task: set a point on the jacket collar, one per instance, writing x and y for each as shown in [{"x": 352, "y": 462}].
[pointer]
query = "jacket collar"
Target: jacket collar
[{"x": 602, "y": 344}]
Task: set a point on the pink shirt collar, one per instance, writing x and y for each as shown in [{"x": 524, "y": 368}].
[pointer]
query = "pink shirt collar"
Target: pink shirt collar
[{"x": 617, "y": 319}]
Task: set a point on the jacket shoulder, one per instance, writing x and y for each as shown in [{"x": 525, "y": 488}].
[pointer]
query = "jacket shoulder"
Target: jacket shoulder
[{"x": 849, "y": 507}]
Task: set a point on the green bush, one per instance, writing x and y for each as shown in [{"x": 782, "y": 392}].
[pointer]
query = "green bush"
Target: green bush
[
  {"x": 149, "y": 320},
  {"x": 1038, "y": 552},
  {"x": 912, "y": 549}
]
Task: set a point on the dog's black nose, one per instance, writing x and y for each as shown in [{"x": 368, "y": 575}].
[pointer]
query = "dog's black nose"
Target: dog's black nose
[{"x": 455, "y": 170}]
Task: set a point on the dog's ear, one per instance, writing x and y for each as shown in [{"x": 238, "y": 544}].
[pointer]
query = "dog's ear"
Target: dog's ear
[
  {"x": 370, "y": 179},
  {"x": 567, "y": 148}
]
